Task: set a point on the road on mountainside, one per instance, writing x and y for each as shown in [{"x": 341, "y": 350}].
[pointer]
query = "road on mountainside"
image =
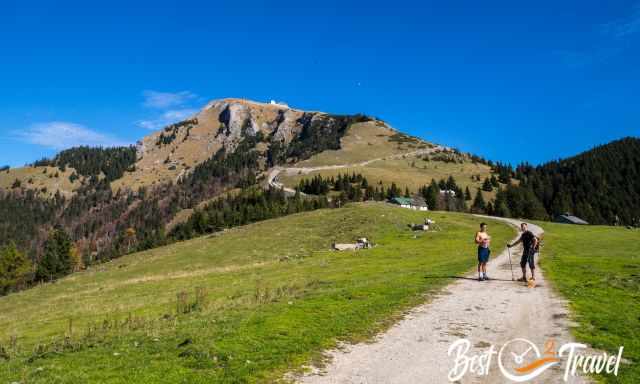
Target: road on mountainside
[
  {"x": 485, "y": 313},
  {"x": 272, "y": 175}
]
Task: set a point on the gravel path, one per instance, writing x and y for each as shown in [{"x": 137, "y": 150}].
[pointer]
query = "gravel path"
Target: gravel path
[{"x": 485, "y": 313}]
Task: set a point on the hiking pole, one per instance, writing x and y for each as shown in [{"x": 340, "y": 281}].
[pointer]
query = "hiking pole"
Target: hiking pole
[{"x": 510, "y": 265}]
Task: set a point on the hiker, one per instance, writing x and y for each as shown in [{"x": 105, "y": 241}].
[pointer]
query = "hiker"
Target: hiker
[
  {"x": 530, "y": 245},
  {"x": 483, "y": 239}
]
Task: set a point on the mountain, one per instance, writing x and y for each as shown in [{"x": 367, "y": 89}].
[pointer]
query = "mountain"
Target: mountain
[
  {"x": 238, "y": 161},
  {"x": 284, "y": 135},
  {"x": 166, "y": 155},
  {"x": 207, "y": 173}
]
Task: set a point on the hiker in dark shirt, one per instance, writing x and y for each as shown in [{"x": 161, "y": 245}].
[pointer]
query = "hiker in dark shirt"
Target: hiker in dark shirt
[{"x": 529, "y": 244}]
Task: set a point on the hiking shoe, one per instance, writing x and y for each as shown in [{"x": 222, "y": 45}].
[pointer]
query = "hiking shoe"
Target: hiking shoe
[
  {"x": 522, "y": 279},
  {"x": 486, "y": 277},
  {"x": 480, "y": 278}
]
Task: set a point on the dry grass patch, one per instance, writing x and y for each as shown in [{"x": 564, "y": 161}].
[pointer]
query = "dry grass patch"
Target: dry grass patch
[{"x": 45, "y": 180}]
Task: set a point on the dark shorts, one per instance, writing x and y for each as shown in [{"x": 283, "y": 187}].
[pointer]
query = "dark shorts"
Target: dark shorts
[
  {"x": 528, "y": 258},
  {"x": 483, "y": 254}
]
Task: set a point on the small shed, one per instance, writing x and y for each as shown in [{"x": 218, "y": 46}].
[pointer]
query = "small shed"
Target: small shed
[{"x": 567, "y": 218}]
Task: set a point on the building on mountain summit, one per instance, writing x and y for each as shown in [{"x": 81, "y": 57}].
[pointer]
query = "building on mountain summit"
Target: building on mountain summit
[
  {"x": 417, "y": 203},
  {"x": 567, "y": 218},
  {"x": 279, "y": 103}
]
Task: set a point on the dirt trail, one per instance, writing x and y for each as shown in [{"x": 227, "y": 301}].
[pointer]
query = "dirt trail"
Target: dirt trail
[{"x": 491, "y": 312}]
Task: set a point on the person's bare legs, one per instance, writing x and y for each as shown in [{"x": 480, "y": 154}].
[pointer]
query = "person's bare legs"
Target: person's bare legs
[
  {"x": 479, "y": 270},
  {"x": 484, "y": 270},
  {"x": 533, "y": 273}
]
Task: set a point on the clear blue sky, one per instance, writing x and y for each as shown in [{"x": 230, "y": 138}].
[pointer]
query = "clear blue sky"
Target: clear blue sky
[{"x": 507, "y": 80}]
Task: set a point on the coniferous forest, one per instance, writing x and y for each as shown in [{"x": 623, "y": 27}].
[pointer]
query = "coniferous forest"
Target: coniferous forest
[
  {"x": 601, "y": 186},
  {"x": 111, "y": 162}
]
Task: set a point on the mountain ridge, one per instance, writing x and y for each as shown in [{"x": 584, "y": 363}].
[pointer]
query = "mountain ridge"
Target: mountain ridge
[
  {"x": 167, "y": 154},
  {"x": 119, "y": 203}
]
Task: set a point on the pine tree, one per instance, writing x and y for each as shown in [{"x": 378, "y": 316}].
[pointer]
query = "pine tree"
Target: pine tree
[
  {"x": 393, "y": 191},
  {"x": 467, "y": 194},
  {"x": 478, "y": 205},
  {"x": 500, "y": 207},
  {"x": 451, "y": 183},
  {"x": 431, "y": 194},
  {"x": 57, "y": 259}
]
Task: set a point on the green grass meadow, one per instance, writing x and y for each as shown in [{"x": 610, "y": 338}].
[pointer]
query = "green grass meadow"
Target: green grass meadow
[
  {"x": 271, "y": 298},
  {"x": 597, "y": 269}
]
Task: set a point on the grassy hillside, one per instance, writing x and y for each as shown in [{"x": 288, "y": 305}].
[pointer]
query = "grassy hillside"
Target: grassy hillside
[
  {"x": 396, "y": 158},
  {"x": 366, "y": 141},
  {"x": 598, "y": 269},
  {"x": 45, "y": 180},
  {"x": 272, "y": 297},
  {"x": 412, "y": 172}
]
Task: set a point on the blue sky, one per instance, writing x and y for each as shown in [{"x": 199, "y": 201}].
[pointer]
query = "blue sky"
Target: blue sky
[{"x": 507, "y": 80}]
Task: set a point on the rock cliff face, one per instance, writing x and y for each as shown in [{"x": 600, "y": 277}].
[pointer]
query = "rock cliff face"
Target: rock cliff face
[{"x": 284, "y": 133}]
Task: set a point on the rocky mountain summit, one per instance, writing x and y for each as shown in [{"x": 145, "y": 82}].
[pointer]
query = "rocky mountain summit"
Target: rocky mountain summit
[{"x": 282, "y": 134}]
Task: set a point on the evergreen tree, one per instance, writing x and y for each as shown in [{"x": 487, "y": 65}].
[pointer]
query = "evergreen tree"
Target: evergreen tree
[
  {"x": 461, "y": 206},
  {"x": 451, "y": 183},
  {"x": 478, "y": 205},
  {"x": 430, "y": 194},
  {"x": 15, "y": 269},
  {"x": 504, "y": 172},
  {"x": 393, "y": 191},
  {"x": 57, "y": 260},
  {"x": 467, "y": 194},
  {"x": 522, "y": 202},
  {"x": 500, "y": 207}
]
